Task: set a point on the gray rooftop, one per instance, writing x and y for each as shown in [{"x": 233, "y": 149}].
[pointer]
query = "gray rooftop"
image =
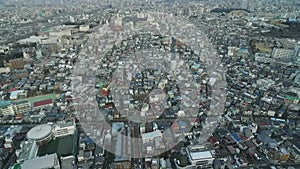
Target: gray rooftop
[
  {"x": 39, "y": 132},
  {"x": 47, "y": 161}
]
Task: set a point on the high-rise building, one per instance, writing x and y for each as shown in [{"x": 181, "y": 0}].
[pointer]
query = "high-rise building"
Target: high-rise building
[
  {"x": 297, "y": 53},
  {"x": 244, "y": 4},
  {"x": 118, "y": 23}
]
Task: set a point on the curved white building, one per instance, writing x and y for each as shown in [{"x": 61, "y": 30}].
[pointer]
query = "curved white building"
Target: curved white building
[{"x": 41, "y": 134}]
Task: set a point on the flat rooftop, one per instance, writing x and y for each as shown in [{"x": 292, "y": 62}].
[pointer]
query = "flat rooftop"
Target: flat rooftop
[
  {"x": 200, "y": 155},
  {"x": 156, "y": 133},
  {"x": 4, "y": 103},
  {"x": 47, "y": 161}
]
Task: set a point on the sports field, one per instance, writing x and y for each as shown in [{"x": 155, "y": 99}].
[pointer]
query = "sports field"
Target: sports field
[{"x": 39, "y": 98}]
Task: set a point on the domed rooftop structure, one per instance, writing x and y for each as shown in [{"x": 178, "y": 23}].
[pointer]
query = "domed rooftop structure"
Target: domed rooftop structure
[{"x": 40, "y": 133}]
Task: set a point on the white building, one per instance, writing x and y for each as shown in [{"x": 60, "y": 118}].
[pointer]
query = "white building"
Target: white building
[
  {"x": 4, "y": 69},
  {"x": 64, "y": 128},
  {"x": 284, "y": 55},
  {"x": 21, "y": 107},
  {"x": 264, "y": 58},
  {"x": 84, "y": 28},
  {"x": 7, "y": 111},
  {"x": 147, "y": 137},
  {"x": 7, "y": 108},
  {"x": 199, "y": 156},
  {"x": 16, "y": 94}
]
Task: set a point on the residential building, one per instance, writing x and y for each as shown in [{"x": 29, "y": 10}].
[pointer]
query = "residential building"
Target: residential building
[
  {"x": 5, "y": 108},
  {"x": 21, "y": 107},
  {"x": 285, "y": 55}
]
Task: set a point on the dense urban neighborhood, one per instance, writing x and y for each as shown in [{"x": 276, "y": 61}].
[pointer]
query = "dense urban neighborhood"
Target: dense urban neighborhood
[{"x": 149, "y": 84}]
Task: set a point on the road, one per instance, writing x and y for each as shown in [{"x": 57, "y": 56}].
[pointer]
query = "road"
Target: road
[{"x": 137, "y": 147}]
